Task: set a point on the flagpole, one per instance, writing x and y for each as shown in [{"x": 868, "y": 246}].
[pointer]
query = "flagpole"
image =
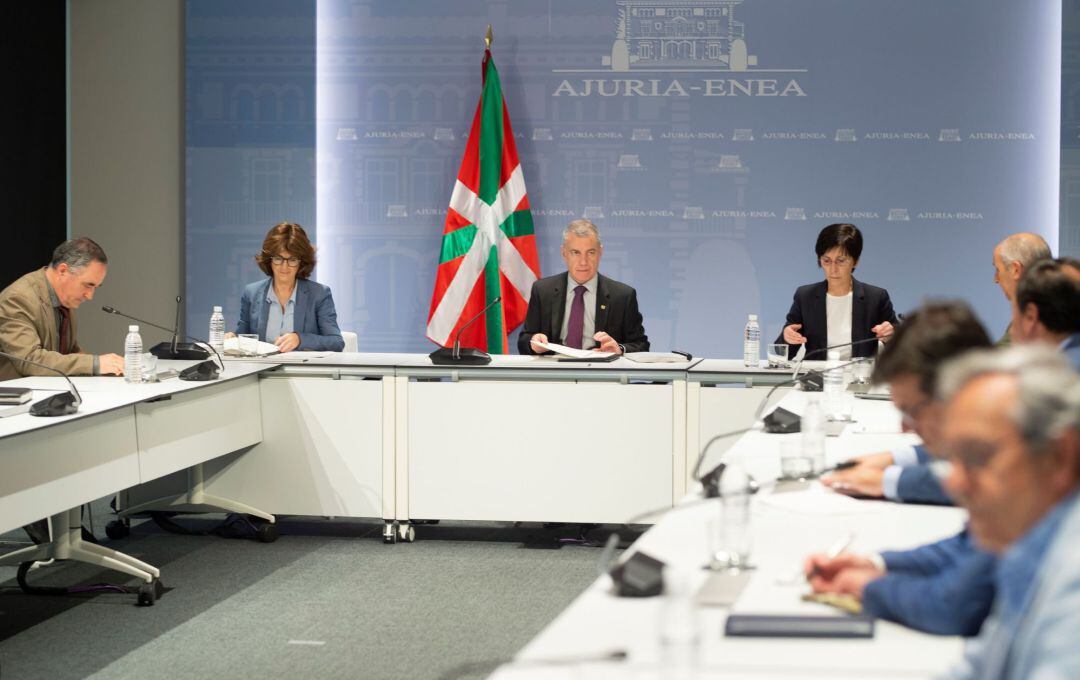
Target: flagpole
[{"x": 488, "y": 38}]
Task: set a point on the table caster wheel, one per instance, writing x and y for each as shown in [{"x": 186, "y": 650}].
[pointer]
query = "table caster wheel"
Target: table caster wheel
[
  {"x": 117, "y": 528},
  {"x": 266, "y": 533},
  {"x": 389, "y": 535},
  {"x": 407, "y": 533},
  {"x": 149, "y": 593}
]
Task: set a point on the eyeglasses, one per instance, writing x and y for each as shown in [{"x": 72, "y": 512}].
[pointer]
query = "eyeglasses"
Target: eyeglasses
[
  {"x": 290, "y": 261},
  {"x": 839, "y": 262},
  {"x": 911, "y": 414}
]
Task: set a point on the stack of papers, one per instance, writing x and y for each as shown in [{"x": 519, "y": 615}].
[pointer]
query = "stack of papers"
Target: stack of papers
[
  {"x": 656, "y": 357},
  {"x": 261, "y": 349},
  {"x": 15, "y": 395},
  {"x": 564, "y": 351}
]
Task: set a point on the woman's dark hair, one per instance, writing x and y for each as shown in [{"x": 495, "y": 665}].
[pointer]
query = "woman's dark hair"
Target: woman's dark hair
[
  {"x": 292, "y": 239},
  {"x": 847, "y": 237}
]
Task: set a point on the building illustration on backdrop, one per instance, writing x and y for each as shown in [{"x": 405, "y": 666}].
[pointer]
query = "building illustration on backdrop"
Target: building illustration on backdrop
[
  {"x": 679, "y": 33},
  {"x": 393, "y": 131}
]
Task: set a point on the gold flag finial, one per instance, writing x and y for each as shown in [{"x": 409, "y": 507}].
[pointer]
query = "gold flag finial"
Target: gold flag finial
[{"x": 488, "y": 37}]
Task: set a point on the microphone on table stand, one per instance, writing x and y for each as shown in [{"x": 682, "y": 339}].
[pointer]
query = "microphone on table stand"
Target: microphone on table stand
[
  {"x": 200, "y": 372},
  {"x": 810, "y": 382},
  {"x": 175, "y": 350},
  {"x": 61, "y": 404},
  {"x": 782, "y": 421},
  {"x": 469, "y": 356}
]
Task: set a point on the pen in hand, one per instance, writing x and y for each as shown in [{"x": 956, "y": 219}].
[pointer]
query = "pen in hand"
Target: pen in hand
[
  {"x": 834, "y": 551},
  {"x": 845, "y": 465}
]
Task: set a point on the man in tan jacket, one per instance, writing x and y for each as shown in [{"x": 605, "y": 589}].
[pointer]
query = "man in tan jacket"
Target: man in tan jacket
[
  {"x": 37, "y": 322},
  {"x": 37, "y": 319}
]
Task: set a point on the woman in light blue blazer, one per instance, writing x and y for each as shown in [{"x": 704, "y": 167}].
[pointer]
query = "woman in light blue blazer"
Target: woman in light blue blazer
[{"x": 288, "y": 309}]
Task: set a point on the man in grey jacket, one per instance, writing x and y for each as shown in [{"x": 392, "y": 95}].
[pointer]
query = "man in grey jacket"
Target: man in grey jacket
[{"x": 1012, "y": 434}]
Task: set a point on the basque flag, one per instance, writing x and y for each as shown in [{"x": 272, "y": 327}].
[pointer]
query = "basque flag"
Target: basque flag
[{"x": 488, "y": 245}]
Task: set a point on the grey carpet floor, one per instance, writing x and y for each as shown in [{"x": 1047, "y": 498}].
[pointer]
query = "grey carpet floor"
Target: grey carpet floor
[{"x": 326, "y": 600}]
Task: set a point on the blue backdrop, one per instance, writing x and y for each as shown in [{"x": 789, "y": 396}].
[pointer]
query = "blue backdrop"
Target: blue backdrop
[{"x": 709, "y": 140}]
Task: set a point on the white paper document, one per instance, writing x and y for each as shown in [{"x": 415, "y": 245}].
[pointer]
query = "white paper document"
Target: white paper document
[
  {"x": 261, "y": 349},
  {"x": 655, "y": 357},
  {"x": 563, "y": 350}
]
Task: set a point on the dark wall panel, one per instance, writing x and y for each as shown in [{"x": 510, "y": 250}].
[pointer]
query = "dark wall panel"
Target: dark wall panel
[{"x": 33, "y": 129}]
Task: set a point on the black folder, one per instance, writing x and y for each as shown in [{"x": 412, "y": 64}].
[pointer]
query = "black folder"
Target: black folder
[{"x": 766, "y": 625}]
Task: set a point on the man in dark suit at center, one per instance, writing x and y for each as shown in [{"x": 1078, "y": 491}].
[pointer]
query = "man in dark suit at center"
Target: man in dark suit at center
[{"x": 582, "y": 308}]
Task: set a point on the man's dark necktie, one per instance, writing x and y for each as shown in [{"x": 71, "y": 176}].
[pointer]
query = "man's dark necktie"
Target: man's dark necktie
[
  {"x": 65, "y": 329},
  {"x": 576, "y": 326}
]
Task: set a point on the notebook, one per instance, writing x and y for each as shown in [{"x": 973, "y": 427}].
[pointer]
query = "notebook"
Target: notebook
[{"x": 15, "y": 395}]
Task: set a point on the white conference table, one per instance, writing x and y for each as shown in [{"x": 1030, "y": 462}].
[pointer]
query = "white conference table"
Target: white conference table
[
  {"x": 523, "y": 439},
  {"x": 786, "y": 527},
  {"x": 391, "y": 436},
  {"x": 122, "y": 435}
]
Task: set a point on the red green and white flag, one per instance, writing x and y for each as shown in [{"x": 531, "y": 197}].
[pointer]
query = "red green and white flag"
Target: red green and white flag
[{"x": 488, "y": 246}]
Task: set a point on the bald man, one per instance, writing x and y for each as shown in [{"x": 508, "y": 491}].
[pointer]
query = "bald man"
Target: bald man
[{"x": 1012, "y": 256}]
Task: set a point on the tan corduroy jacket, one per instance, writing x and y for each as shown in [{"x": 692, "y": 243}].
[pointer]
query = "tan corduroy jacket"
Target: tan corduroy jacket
[{"x": 28, "y": 329}]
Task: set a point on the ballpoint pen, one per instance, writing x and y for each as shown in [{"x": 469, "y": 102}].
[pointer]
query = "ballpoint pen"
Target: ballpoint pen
[
  {"x": 845, "y": 465},
  {"x": 842, "y": 544}
]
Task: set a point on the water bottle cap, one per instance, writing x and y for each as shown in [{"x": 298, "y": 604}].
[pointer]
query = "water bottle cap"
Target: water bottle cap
[
  {"x": 753, "y": 317},
  {"x": 217, "y": 308},
  {"x": 133, "y": 329}
]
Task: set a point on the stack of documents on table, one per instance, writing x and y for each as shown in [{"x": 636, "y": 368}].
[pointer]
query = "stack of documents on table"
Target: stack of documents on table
[
  {"x": 573, "y": 353},
  {"x": 817, "y": 500},
  {"x": 656, "y": 357},
  {"x": 261, "y": 349},
  {"x": 15, "y": 395}
]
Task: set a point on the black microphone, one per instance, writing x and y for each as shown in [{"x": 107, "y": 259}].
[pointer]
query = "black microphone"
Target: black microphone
[
  {"x": 710, "y": 481},
  {"x": 810, "y": 385},
  {"x": 782, "y": 421},
  {"x": 200, "y": 372},
  {"x": 856, "y": 343},
  {"x": 455, "y": 356},
  {"x": 62, "y": 404},
  {"x": 174, "y": 349}
]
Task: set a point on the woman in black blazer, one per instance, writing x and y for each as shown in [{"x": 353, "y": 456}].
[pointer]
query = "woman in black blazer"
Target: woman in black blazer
[{"x": 840, "y": 309}]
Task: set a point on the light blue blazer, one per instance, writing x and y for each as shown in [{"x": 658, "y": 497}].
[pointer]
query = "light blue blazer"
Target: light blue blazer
[
  {"x": 1044, "y": 644},
  {"x": 314, "y": 316},
  {"x": 1072, "y": 350}
]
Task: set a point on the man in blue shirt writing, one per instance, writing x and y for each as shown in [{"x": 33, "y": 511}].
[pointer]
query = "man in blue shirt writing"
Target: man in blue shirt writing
[{"x": 946, "y": 587}]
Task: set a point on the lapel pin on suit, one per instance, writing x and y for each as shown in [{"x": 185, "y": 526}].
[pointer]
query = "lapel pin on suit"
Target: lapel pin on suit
[{"x": 603, "y": 306}]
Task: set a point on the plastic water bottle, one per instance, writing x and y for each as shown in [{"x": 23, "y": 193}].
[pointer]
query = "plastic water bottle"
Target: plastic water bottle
[
  {"x": 751, "y": 347},
  {"x": 133, "y": 355},
  {"x": 834, "y": 385},
  {"x": 217, "y": 329},
  {"x": 812, "y": 426}
]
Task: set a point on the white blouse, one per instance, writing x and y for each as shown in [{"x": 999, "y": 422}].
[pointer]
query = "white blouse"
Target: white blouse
[{"x": 838, "y": 322}]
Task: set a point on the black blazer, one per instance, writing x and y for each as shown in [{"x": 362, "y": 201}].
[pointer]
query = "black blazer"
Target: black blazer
[
  {"x": 616, "y": 313},
  {"x": 870, "y": 306}
]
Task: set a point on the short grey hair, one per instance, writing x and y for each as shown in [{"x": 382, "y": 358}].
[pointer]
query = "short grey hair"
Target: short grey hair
[
  {"x": 1049, "y": 388},
  {"x": 1025, "y": 248},
  {"x": 581, "y": 229},
  {"x": 76, "y": 253}
]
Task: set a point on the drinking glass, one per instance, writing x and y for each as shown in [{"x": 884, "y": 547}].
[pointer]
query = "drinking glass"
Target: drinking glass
[
  {"x": 794, "y": 463},
  {"x": 777, "y": 354}
]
